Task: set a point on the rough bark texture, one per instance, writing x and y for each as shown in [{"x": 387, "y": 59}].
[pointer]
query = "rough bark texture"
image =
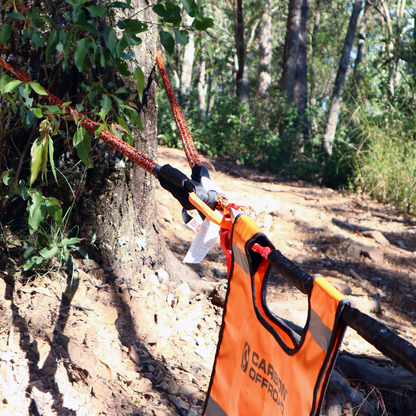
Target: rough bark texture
[
  {"x": 119, "y": 202},
  {"x": 242, "y": 87},
  {"x": 291, "y": 49},
  {"x": 334, "y": 108},
  {"x": 265, "y": 53},
  {"x": 300, "y": 91},
  {"x": 187, "y": 62},
  {"x": 202, "y": 88},
  {"x": 360, "y": 48},
  {"x": 389, "y": 44}
]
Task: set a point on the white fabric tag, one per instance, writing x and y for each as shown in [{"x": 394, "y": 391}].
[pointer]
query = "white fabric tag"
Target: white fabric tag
[
  {"x": 194, "y": 224},
  {"x": 204, "y": 241}
]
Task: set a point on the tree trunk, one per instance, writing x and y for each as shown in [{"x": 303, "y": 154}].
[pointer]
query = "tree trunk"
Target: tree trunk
[
  {"x": 389, "y": 44},
  {"x": 242, "y": 87},
  {"x": 360, "y": 49},
  {"x": 314, "y": 75},
  {"x": 300, "y": 91},
  {"x": 265, "y": 53},
  {"x": 187, "y": 63},
  {"x": 202, "y": 87},
  {"x": 334, "y": 108},
  {"x": 291, "y": 49},
  {"x": 118, "y": 203}
]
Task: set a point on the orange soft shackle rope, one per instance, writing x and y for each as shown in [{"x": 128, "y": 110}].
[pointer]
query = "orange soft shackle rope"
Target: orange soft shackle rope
[
  {"x": 133, "y": 154},
  {"x": 188, "y": 144}
]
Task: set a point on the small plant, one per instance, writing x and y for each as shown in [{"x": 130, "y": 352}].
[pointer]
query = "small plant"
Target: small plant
[{"x": 47, "y": 240}]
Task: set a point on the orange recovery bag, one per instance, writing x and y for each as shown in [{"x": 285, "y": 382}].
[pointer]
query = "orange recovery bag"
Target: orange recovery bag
[{"x": 261, "y": 366}]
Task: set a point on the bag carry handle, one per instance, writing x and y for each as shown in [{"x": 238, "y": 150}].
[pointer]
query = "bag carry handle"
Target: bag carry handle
[{"x": 373, "y": 331}]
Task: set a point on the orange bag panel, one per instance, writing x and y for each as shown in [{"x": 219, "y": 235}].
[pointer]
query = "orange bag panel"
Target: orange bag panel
[{"x": 259, "y": 369}]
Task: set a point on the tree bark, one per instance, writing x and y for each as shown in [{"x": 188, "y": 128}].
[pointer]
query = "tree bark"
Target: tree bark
[
  {"x": 300, "y": 90},
  {"x": 265, "y": 53},
  {"x": 187, "y": 63},
  {"x": 334, "y": 108},
  {"x": 357, "y": 75},
  {"x": 389, "y": 44},
  {"x": 202, "y": 87},
  {"x": 291, "y": 49},
  {"x": 314, "y": 76},
  {"x": 242, "y": 86}
]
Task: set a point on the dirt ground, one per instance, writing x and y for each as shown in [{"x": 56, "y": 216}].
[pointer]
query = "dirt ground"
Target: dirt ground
[{"x": 101, "y": 345}]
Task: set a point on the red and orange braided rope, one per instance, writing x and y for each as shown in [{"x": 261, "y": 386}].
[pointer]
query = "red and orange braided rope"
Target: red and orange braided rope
[
  {"x": 188, "y": 144},
  {"x": 133, "y": 154}
]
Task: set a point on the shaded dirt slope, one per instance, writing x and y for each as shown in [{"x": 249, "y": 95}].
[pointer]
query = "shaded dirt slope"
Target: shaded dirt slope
[{"x": 98, "y": 345}]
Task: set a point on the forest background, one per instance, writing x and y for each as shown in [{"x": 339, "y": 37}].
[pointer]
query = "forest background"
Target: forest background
[{"x": 321, "y": 90}]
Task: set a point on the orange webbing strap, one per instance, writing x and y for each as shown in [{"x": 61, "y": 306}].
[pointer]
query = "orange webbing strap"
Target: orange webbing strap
[
  {"x": 133, "y": 154},
  {"x": 188, "y": 144}
]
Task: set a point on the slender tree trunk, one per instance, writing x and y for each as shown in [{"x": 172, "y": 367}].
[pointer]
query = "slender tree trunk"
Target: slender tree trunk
[
  {"x": 360, "y": 48},
  {"x": 291, "y": 49},
  {"x": 209, "y": 94},
  {"x": 334, "y": 108},
  {"x": 187, "y": 63},
  {"x": 390, "y": 45},
  {"x": 242, "y": 86},
  {"x": 202, "y": 87},
  {"x": 265, "y": 53},
  {"x": 300, "y": 91},
  {"x": 314, "y": 76}
]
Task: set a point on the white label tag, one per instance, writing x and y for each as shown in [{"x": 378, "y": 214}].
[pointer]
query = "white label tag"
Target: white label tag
[
  {"x": 194, "y": 224},
  {"x": 204, "y": 241}
]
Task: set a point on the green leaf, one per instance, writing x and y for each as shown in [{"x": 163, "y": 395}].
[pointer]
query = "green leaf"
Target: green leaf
[
  {"x": 210, "y": 53},
  {"x": 203, "y": 23},
  {"x": 38, "y": 39},
  {"x": 48, "y": 253},
  {"x": 5, "y": 33},
  {"x": 38, "y": 88},
  {"x": 52, "y": 162},
  {"x": 197, "y": 51},
  {"x": 190, "y": 7},
  {"x": 16, "y": 16},
  {"x": 96, "y": 11},
  {"x": 53, "y": 40},
  {"x": 139, "y": 80},
  {"x": 132, "y": 26},
  {"x": 39, "y": 157},
  {"x": 54, "y": 210},
  {"x": 122, "y": 45},
  {"x": 28, "y": 252},
  {"x": 69, "y": 241},
  {"x": 24, "y": 91},
  {"x": 159, "y": 9},
  {"x": 210, "y": 68},
  {"x": 33, "y": 263},
  {"x": 105, "y": 105},
  {"x": 181, "y": 36},
  {"x": 110, "y": 39},
  {"x": 37, "y": 213},
  {"x": 120, "y": 5},
  {"x": 82, "y": 142},
  {"x": 80, "y": 53},
  {"x": 123, "y": 90},
  {"x": 83, "y": 24},
  {"x": 173, "y": 14},
  {"x": 10, "y": 86},
  {"x": 167, "y": 41},
  {"x": 123, "y": 69}
]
